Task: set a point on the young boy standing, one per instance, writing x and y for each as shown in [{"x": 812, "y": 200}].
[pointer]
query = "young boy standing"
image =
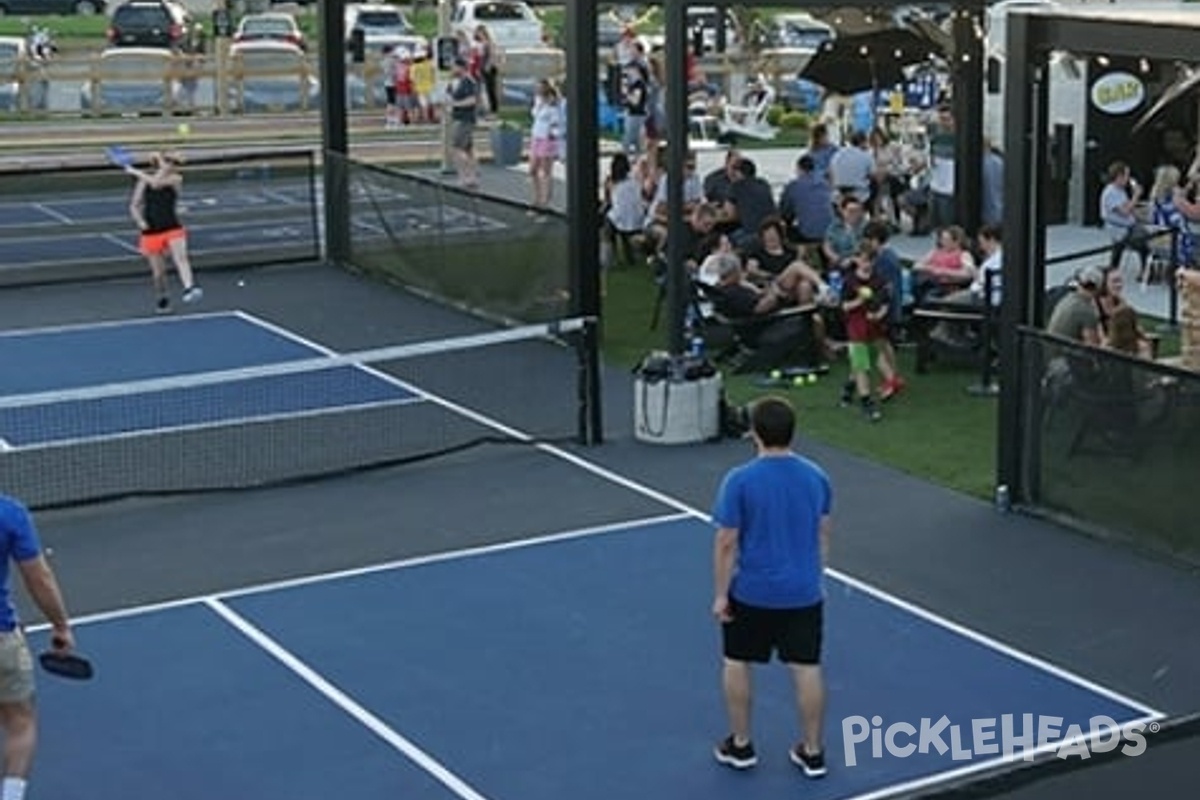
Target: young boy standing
[{"x": 866, "y": 301}]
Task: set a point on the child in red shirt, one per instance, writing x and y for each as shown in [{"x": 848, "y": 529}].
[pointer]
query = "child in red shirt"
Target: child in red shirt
[{"x": 865, "y": 303}]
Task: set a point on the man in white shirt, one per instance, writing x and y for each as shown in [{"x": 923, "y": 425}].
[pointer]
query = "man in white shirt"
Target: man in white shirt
[
  {"x": 852, "y": 168},
  {"x": 1118, "y": 202}
]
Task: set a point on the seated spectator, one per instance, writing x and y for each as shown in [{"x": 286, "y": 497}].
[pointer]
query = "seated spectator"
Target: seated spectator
[
  {"x": 1124, "y": 333},
  {"x": 852, "y": 169},
  {"x": 702, "y": 237},
  {"x": 657, "y": 219},
  {"x": 946, "y": 267},
  {"x": 735, "y": 297},
  {"x": 1110, "y": 301},
  {"x": 844, "y": 236},
  {"x": 750, "y": 201},
  {"x": 716, "y": 183},
  {"x": 624, "y": 207},
  {"x": 770, "y": 253},
  {"x": 1076, "y": 316},
  {"x": 806, "y": 203},
  {"x": 973, "y": 296}
]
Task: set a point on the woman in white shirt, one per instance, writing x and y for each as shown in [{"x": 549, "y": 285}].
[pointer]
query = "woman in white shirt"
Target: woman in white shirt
[
  {"x": 544, "y": 144},
  {"x": 624, "y": 208}
]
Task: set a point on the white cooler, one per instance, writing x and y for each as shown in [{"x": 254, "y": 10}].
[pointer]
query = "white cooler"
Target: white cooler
[{"x": 676, "y": 403}]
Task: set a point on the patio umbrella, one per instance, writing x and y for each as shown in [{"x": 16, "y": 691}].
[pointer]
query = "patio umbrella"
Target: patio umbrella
[{"x": 869, "y": 61}]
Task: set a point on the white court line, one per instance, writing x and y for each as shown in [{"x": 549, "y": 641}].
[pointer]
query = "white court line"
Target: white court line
[
  {"x": 5, "y": 446},
  {"x": 854, "y": 583},
  {"x": 345, "y": 702},
  {"x": 116, "y": 323},
  {"x": 119, "y": 242},
  {"x": 56, "y": 215},
  {"x": 358, "y": 572}
]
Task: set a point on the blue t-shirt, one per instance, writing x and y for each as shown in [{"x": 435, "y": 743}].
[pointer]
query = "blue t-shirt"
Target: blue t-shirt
[
  {"x": 19, "y": 541},
  {"x": 776, "y": 504}
]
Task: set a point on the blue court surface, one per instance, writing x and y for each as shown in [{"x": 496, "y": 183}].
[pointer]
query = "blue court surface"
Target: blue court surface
[
  {"x": 581, "y": 665},
  {"x": 220, "y": 219},
  {"x": 34, "y": 411}
]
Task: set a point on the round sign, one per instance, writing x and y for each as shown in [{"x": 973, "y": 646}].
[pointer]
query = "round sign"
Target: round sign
[{"x": 1118, "y": 93}]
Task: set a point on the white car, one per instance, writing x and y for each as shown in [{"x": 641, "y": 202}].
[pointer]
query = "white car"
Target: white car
[
  {"x": 272, "y": 76},
  {"x": 512, "y": 23},
  {"x": 383, "y": 27},
  {"x": 131, "y": 80},
  {"x": 270, "y": 26}
]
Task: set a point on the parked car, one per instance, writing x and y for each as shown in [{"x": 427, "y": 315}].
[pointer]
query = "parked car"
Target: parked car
[
  {"x": 19, "y": 72},
  {"x": 148, "y": 23},
  {"x": 270, "y": 26},
  {"x": 132, "y": 80},
  {"x": 383, "y": 26},
  {"x": 35, "y": 8},
  {"x": 271, "y": 76},
  {"x": 512, "y": 24}
]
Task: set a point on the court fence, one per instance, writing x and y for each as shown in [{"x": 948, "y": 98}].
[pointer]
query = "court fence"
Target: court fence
[
  {"x": 490, "y": 256},
  {"x": 241, "y": 209},
  {"x": 1111, "y": 443}
]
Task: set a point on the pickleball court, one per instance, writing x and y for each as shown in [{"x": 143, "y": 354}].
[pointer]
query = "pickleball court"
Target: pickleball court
[{"x": 571, "y": 661}]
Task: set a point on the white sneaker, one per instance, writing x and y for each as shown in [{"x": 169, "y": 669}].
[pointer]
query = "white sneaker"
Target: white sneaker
[{"x": 192, "y": 294}]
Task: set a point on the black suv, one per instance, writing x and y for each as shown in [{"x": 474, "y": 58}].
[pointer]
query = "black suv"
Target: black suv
[{"x": 148, "y": 23}]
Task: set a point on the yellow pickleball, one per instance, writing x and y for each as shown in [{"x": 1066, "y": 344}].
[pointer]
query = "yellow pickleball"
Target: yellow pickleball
[{"x": 184, "y": 129}]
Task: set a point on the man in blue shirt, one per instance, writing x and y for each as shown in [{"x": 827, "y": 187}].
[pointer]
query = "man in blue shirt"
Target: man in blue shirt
[
  {"x": 773, "y": 518},
  {"x": 20, "y": 545}
]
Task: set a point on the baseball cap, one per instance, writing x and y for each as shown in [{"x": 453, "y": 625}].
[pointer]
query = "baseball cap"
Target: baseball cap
[{"x": 1090, "y": 276}]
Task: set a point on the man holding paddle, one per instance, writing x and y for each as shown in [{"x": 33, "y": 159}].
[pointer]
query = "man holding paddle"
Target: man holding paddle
[{"x": 20, "y": 545}]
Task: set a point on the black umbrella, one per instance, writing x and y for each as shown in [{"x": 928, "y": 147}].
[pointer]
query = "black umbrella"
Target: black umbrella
[{"x": 868, "y": 61}]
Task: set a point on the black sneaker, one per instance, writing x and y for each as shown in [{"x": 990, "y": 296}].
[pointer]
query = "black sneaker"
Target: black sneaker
[
  {"x": 870, "y": 410},
  {"x": 163, "y": 306},
  {"x": 813, "y": 764},
  {"x": 848, "y": 390},
  {"x": 731, "y": 755}
]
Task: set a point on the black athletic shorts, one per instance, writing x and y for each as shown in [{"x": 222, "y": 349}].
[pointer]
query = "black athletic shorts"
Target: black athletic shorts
[{"x": 755, "y": 633}]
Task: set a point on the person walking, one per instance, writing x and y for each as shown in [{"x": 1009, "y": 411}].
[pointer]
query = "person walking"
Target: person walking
[
  {"x": 20, "y": 545},
  {"x": 462, "y": 96},
  {"x": 153, "y": 207},
  {"x": 774, "y": 521}
]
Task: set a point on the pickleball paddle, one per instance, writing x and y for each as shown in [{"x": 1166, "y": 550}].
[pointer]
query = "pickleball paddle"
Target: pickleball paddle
[
  {"x": 66, "y": 665},
  {"x": 118, "y": 155}
]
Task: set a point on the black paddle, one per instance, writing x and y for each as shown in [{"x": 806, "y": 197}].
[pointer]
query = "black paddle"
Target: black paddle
[{"x": 66, "y": 664}]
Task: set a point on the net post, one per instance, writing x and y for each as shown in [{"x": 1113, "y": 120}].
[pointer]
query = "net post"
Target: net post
[
  {"x": 591, "y": 418},
  {"x": 314, "y": 210}
]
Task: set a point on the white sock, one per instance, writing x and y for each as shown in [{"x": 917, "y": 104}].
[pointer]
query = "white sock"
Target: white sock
[{"x": 12, "y": 789}]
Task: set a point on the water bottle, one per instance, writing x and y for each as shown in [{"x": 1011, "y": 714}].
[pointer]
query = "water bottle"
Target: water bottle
[
  {"x": 696, "y": 346},
  {"x": 836, "y": 284},
  {"x": 1003, "y": 500}
]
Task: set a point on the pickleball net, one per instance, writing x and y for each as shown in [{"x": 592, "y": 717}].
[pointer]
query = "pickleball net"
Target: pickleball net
[{"x": 297, "y": 420}]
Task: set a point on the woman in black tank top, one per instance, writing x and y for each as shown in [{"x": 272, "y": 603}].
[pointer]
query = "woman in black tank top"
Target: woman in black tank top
[{"x": 153, "y": 208}]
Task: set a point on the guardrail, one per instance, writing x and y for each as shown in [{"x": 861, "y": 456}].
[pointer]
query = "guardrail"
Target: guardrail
[{"x": 142, "y": 81}]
